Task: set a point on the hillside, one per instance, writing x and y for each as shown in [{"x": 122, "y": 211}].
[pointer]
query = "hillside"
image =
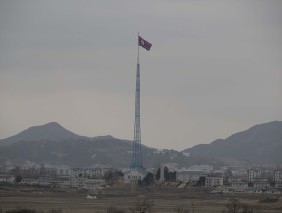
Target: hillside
[
  {"x": 261, "y": 144},
  {"x": 53, "y": 144}
]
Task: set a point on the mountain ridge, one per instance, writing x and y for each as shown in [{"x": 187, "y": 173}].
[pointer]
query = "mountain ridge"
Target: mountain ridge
[
  {"x": 53, "y": 144},
  {"x": 81, "y": 151},
  {"x": 259, "y": 144}
]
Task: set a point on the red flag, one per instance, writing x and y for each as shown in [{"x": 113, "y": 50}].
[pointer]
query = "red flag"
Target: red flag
[{"x": 143, "y": 43}]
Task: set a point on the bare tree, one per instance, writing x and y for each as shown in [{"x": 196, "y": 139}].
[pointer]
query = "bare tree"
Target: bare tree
[
  {"x": 143, "y": 206},
  {"x": 233, "y": 207},
  {"x": 237, "y": 207},
  {"x": 114, "y": 209},
  {"x": 182, "y": 209}
]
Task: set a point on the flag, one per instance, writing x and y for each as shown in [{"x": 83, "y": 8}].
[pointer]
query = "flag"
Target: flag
[{"x": 143, "y": 43}]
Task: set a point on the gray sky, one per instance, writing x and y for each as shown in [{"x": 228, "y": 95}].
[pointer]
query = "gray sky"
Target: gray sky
[{"x": 214, "y": 67}]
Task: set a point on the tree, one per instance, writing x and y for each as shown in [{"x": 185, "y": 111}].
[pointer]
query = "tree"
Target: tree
[
  {"x": 201, "y": 181},
  {"x": 147, "y": 180},
  {"x": 108, "y": 177},
  {"x": 158, "y": 174},
  {"x": 112, "y": 176},
  {"x": 18, "y": 178},
  {"x": 171, "y": 176},
  {"x": 166, "y": 173},
  {"x": 235, "y": 206}
]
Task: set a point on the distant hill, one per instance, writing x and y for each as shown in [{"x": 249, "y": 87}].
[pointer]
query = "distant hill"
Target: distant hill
[
  {"x": 50, "y": 131},
  {"x": 53, "y": 144},
  {"x": 261, "y": 144}
]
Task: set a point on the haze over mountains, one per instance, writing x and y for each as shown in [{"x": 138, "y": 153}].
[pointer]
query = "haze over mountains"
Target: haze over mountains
[{"x": 53, "y": 144}]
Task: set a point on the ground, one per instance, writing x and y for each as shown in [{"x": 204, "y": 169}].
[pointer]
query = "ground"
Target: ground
[{"x": 126, "y": 197}]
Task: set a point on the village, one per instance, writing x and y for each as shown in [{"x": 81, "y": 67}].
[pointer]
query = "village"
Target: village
[{"x": 223, "y": 180}]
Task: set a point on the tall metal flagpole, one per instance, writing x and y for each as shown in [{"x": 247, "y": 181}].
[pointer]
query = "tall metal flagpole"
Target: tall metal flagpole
[
  {"x": 136, "y": 163},
  {"x": 138, "y": 49}
]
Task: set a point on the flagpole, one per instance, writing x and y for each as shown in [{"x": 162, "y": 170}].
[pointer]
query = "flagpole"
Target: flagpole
[{"x": 138, "y": 49}]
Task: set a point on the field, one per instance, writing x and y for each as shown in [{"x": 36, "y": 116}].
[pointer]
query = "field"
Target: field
[{"x": 127, "y": 198}]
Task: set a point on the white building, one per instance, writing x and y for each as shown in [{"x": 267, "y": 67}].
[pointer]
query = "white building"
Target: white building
[
  {"x": 7, "y": 178},
  {"x": 239, "y": 172},
  {"x": 213, "y": 181},
  {"x": 277, "y": 176},
  {"x": 203, "y": 168},
  {"x": 253, "y": 174},
  {"x": 97, "y": 173},
  {"x": 134, "y": 176}
]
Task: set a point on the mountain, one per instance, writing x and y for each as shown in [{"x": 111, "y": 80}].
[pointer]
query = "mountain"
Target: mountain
[
  {"x": 261, "y": 144},
  {"x": 53, "y": 144},
  {"x": 50, "y": 131}
]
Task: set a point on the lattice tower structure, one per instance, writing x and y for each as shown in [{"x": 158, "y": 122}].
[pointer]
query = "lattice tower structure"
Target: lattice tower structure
[{"x": 136, "y": 162}]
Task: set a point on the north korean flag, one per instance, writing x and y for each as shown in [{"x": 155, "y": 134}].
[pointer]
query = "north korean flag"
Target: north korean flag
[{"x": 143, "y": 43}]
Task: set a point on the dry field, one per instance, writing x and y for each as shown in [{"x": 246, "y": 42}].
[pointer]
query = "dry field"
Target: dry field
[{"x": 126, "y": 198}]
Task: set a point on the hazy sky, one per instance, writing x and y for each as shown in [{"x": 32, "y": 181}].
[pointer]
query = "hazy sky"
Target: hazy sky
[{"x": 215, "y": 67}]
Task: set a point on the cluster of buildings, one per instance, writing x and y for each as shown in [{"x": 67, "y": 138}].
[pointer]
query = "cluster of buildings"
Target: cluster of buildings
[
  {"x": 57, "y": 177},
  {"x": 234, "y": 179},
  {"x": 225, "y": 179}
]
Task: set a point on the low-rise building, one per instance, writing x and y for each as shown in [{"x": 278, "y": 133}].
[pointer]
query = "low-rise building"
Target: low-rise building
[
  {"x": 134, "y": 176},
  {"x": 5, "y": 178},
  {"x": 190, "y": 176},
  {"x": 29, "y": 181},
  {"x": 253, "y": 174},
  {"x": 239, "y": 184},
  {"x": 213, "y": 181},
  {"x": 97, "y": 173},
  {"x": 261, "y": 185},
  {"x": 202, "y": 168}
]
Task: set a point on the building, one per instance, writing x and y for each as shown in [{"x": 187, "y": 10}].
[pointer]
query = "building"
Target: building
[
  {"x": 203, "y": 168},
  {"x": 239, "y": 172},
  {"x": 190, "y": 176},
  {"x": 239, "y": 184},
  {"x": 134, "y": 176},
  {"x": 277, "y": 176},
  {"x": 253, "y": 174},
  {"x": 5, "y": 178},
  {"x": 95, "y": 173},
  {"x": 213, "y": 181},
  {"x": 87, "y": 177},
  {"x": 261, "y": 184}
]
